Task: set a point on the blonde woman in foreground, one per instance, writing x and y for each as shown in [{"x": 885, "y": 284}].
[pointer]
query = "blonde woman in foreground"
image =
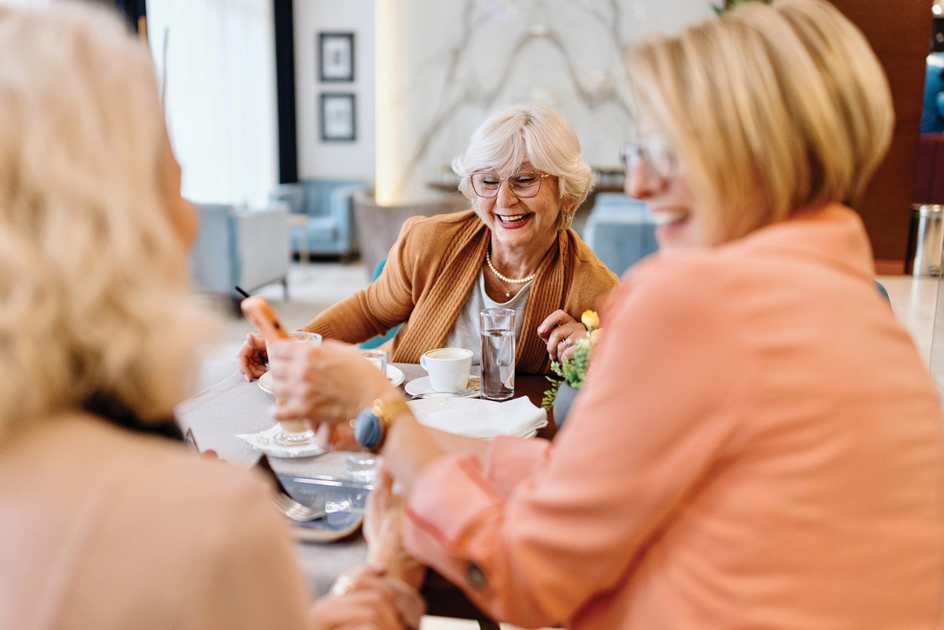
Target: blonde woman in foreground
[
  {"x": 759, "y": 444},
  {"x": 106, "y": 521}
]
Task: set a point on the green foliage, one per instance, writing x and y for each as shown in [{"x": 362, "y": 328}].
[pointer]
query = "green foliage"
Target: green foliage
[
  {"x": 551, "y": 395},
  {"x": 574, "y": 371},
  {"x": 731, "y": 4}
]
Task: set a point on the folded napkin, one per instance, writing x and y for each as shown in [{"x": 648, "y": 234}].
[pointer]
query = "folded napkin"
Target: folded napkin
[
  {"x": 482, "y": 419},
  {"x": 265, "y": 442}
]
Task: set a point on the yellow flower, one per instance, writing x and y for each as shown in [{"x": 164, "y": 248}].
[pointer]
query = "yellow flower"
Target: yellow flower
[
  {"x": 590, "y": 319},
  {"x": 595, "y": 336}
]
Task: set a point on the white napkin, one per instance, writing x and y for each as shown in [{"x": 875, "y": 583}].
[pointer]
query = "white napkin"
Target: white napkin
[
  {"x": 265, "y": 442},
  {"x": 482, "y": 419}
]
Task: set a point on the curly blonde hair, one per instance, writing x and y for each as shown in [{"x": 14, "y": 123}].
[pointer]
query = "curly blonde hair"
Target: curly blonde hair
[
  {"x": 772, "y": 108},
  {"x": 94, "y": 298}
]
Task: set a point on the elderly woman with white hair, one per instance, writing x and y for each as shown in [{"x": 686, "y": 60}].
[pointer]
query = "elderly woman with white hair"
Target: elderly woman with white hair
[
  {"x": 108, "y": 520},
  {"x": 525, "y": 177},
  {"x": 759, "y": 443}
]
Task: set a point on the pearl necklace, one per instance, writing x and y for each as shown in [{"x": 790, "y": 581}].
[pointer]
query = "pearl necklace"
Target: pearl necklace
[{"x": 488, "y": 260}]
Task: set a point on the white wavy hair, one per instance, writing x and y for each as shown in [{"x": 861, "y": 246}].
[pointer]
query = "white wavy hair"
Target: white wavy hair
[
  {"x": 93, "y": 277},
  {"x": 534, "y": 133}
]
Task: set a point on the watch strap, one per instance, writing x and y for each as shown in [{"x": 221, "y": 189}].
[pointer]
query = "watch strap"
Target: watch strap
[{"x": 371, "y": 424}]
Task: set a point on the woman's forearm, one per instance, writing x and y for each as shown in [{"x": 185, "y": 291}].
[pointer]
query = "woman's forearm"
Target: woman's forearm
[
  {"x": 408, "y": 448},
  {"x": 451, "y": 443}
]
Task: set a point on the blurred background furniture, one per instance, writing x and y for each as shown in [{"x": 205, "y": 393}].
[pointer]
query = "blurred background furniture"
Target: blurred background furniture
[
  {"x": 239, "y": 246},
  {"x": 379, "y": 226},
  {"x": 620, "y": 231},
  {"x": 330, "y": 230}
]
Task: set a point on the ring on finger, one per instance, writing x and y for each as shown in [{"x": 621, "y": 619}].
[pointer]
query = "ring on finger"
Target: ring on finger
[
  {"x": 343, "y": 585},
  {"x": 567, "y": 342}
]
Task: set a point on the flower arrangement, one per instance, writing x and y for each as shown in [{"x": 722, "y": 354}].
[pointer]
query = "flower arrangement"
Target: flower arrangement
[{"x": 573, "y": 371}]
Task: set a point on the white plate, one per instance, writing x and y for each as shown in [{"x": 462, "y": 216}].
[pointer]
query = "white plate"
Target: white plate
[
  {"x": 421, "y": 386},
  {"x": 393, "y": 373},
  {"x": 265, "y": 382},
  {"x": 265, "y": 441}
]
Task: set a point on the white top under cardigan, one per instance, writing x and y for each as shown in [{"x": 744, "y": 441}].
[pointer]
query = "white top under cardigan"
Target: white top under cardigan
[{"x": 467, "y": 334}]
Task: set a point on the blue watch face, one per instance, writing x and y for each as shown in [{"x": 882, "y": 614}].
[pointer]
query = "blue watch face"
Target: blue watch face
[{"x": 368, "y": 430}]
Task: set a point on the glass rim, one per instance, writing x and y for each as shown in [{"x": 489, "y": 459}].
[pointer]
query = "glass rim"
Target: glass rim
[{"x": 497, "y": 310}]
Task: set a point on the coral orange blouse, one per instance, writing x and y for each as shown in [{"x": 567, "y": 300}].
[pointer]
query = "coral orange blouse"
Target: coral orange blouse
[{"x": 759, "y": 445}]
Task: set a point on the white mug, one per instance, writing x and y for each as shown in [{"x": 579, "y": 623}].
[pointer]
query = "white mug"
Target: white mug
[{"x": 448, "y": 368}]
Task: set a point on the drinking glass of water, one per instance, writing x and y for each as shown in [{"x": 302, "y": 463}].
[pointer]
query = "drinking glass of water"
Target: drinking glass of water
[
  {"x": 498, "y": 353},
  {"x": 363, "y": 466}
]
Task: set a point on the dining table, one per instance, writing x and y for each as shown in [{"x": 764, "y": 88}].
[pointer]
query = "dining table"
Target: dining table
[{"x": 214, "y": 418}]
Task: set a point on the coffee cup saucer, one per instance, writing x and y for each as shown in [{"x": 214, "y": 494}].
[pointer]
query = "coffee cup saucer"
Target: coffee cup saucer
[{"x": 422, "y": 387}]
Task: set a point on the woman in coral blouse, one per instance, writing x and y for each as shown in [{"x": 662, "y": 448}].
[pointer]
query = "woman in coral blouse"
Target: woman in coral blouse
[{"x": 758, "y": 444}]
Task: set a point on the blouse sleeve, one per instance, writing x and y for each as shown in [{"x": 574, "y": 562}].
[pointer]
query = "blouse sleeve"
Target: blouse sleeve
[
  {"x": 386, "y": 302},
  {"x": 654, "y": 417}
]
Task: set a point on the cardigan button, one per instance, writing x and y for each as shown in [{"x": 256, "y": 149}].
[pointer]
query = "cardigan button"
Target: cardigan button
[{"x": 475, "y": 576}]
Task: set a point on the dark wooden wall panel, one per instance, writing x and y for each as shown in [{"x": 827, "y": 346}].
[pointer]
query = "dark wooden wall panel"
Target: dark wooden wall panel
[{"x": 900, "y": 32}]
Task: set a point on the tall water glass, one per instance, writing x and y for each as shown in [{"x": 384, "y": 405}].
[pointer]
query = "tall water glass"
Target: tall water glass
[
  {"x": 362, "y": 465},
  {"x": 498, "y": 353},
  {"x": 296, "y": 432}
]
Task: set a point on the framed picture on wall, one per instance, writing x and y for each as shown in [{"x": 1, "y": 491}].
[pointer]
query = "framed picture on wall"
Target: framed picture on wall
[
  {"x": 336, "y": 56},
  {"x": 338, "y": 116}
]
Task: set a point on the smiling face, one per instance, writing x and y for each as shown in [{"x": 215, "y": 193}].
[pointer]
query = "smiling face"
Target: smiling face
[
  {"x": 683, "y": 221},
  {"x": 522, "y": 223}
]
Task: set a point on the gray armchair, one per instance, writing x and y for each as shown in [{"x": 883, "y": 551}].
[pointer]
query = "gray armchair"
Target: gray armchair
[
  {"x": 330, "y": 227},
  {"x": 241, "y": 247}
]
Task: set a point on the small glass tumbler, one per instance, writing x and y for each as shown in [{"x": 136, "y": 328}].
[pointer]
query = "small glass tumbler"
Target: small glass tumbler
[
  {"x": 362, "y": 465},
  {"x": 498, "y": 353},
  {"x": 296, "y": 432}
]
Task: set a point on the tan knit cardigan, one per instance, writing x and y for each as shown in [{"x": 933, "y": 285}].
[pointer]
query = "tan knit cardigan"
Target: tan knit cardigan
[{"x": 426, "y": 281}]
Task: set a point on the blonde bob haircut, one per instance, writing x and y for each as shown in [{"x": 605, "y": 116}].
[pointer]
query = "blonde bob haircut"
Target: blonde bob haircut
[
  {"x": 535, "y": 134},
  {"x": 770, "y": 108},
  {"x": 93, "y": 277}
]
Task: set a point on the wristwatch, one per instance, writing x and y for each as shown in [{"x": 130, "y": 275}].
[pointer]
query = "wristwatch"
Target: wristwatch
[{"x": 371, "y": 423}]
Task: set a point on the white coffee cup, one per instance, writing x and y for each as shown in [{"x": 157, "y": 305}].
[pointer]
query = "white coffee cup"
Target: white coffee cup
[{"x": 448, "y": 368}]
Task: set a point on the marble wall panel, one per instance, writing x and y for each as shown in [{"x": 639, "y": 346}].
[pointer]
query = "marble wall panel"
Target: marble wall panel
[{"x": 447, "y": 65}]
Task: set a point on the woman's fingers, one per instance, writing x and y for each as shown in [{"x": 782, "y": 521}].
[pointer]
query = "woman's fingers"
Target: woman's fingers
[
  {"x": 378, "y": 504},
  {"x": 563, "y": 339},
  {"x": 251, "y": 357},
  {"x": 555, "y": 319},
  {"x": 328, "y": 384},
  {"x": 360, "y": 608}
]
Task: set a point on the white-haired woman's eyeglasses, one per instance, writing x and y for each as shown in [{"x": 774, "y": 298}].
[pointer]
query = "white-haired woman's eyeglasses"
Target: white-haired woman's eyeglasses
[{"x": 522, "y": 185}]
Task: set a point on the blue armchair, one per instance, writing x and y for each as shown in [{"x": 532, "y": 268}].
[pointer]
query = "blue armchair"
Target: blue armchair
[
  {"x": 330, "y": 228},
  {"x": 620, "y": 231},
  {"x": 241, "y": 247}
]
